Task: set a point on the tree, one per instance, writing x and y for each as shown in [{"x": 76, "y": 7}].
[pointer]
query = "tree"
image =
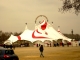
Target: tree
[
  {"x": 75, "y": 36},
  {"x": 69, "y": 5},
  {"x": 16, "y": 33}
]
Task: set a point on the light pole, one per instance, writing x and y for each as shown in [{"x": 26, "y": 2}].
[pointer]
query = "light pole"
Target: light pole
[{"x": 72, "y": 34}]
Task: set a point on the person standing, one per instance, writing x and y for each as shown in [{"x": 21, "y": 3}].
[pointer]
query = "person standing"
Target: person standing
[
  {"x": 41, "y": 51},
  {"x": 79, "y": 42}
]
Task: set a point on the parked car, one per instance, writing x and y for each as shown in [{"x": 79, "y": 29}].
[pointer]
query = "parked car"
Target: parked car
[{"x": 7, "y": 54}]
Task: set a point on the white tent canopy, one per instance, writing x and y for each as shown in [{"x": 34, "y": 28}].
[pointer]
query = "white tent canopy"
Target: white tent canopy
[
  {"x": 47, "y": 33},
  {"x": 11, "y": 39}
]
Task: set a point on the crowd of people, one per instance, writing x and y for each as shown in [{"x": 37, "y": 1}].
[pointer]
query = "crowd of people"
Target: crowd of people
[
  {"x": 55, "y": 44},
  {"x": 8, "y": 46}
]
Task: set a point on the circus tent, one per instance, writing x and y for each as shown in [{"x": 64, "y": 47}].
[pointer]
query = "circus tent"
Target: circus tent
[
  {"x": 54, "y": 34},
  {"x": 33, "y": 35},
  {"x": 11, "y": 39},
  {"x": 43, "y": 31}
]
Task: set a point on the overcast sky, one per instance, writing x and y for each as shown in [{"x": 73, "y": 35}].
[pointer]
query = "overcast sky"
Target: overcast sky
[{"x": 15, "y": 13}]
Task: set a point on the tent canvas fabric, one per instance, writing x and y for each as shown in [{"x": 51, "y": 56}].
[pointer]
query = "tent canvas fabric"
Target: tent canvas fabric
[
  {"x": 44, "y": 31},
  {"x": 27, "y": 35},
  {"x": 52, "y": 33},
  {"x": 66, "y": 38},
  {"x": 11, "y": 39},
  {"x": 58, "y": 34}
]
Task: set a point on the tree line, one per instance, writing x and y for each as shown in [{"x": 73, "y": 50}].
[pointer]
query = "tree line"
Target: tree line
[
  {"x": 5, "y": 35},
  {"x": 68, "y": 5}
]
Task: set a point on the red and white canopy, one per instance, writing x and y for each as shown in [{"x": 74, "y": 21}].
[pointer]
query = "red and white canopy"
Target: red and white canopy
[{"x": 44, "y": 31}]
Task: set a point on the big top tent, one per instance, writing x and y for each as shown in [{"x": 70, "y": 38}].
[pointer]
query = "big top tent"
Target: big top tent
[
  {"x": 43, "y": 31},
  {"x": 11, "y": 39}
]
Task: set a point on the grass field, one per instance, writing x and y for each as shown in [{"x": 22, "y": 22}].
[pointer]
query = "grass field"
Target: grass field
[{"x": 50, "y": 53}]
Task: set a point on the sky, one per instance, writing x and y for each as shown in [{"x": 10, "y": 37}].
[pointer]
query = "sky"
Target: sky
[{"x": 15, "y": 13}]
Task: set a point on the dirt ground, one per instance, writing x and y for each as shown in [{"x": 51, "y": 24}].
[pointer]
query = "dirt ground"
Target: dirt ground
[{"x": 50, "y": 53}]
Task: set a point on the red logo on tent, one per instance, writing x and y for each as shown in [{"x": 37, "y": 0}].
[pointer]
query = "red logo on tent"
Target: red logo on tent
[
  {"x": 38, "y": 31},
  {"x": 43, "y": 27},
  {"x": 33, "y": 36}
]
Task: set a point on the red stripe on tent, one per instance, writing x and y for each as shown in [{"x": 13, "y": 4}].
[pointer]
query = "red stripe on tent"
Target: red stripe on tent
[
  {"x": 38, "y": 31},
  {"x": 19, "y": 38},
  {"x": 33, "y": 36}
]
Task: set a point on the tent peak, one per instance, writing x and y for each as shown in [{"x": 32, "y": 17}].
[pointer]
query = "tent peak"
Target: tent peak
[{"x": 26, "y": 26}]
